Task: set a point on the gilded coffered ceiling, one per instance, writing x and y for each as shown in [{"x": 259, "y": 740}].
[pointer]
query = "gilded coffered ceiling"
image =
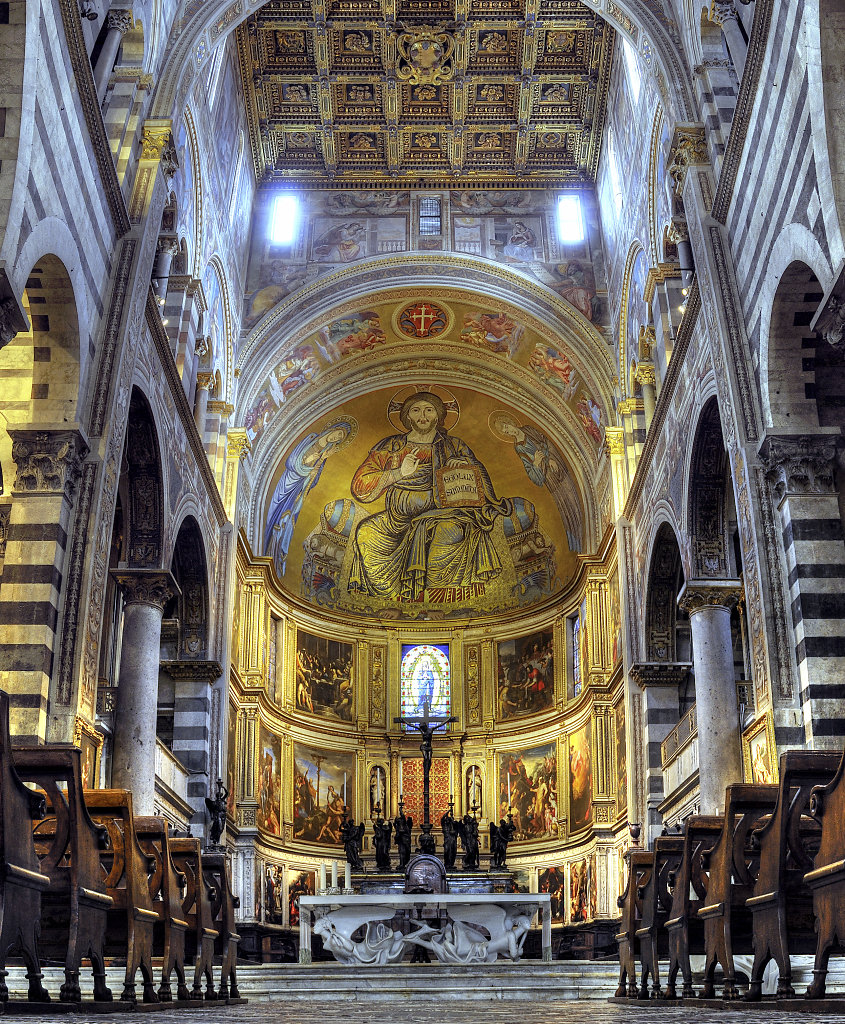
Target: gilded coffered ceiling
[{"x": 425, "y": 92}]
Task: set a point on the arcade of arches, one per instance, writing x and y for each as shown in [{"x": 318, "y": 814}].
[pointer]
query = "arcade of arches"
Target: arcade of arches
[{"x": 576, "y": 481}]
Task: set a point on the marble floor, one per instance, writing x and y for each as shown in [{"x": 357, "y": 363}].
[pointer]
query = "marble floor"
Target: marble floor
[{"x": 494, "y": 1012}]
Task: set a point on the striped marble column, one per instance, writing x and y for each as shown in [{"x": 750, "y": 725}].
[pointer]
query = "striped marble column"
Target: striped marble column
[
  {"x": 48, "y": 464},
  {"x": 800, "y": 469}
]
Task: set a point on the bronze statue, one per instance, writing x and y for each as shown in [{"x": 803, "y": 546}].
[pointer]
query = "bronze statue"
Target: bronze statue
[
  {"x": 381, "y": 842},
  {"x": 468, "y": 831},
  {"x": 217, "y": 812},
  {"x": 500, "y": 836},
  {"x": 402, "y": 825},
  {"x": 450, "y": 838},
  {"x": 351, "y": 836}
]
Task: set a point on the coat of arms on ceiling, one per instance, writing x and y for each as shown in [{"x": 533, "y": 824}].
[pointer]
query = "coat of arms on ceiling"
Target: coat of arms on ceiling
[{"x": 424, "y": 55}]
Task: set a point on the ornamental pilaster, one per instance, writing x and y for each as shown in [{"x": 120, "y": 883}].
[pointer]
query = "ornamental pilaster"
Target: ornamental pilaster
[
  {"x": 800, "y": 464},
  {"x": 699, "y": 594},
  {"x": 152, "y": 587},
  {"x": 47, "y": 461}
]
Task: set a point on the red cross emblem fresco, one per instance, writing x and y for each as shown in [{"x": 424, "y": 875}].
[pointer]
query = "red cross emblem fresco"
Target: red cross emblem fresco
[{"x": 423, "y": 320}]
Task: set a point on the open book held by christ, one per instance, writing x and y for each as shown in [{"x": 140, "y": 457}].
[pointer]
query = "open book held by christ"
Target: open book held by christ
[{"x": 459, "y": 486}]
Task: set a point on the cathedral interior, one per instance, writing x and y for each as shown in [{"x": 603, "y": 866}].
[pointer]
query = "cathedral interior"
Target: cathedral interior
[{"x": 363, "y": 357}]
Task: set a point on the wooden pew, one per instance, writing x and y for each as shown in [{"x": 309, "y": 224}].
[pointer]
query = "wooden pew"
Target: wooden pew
[
  {"x": 196, "y": 905},
  {"x": 75, "y": 906},
  {"x": 827, "y": 879},
  {"x": 656, "y": 903},
  {"x": 21, "y": 880},
  {"x": 684, "y": 928},
  {"x": 127, "y": 868},
  {"x": 630, "y": 902},
  {"x": 732, "y": 872},
  {"x": 216, "y": 869},
  {"x": 782, "y": 904},
  {"x": 166, "y": 885}
]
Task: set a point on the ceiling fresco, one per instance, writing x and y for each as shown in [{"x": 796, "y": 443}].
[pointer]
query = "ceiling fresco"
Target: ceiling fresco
[
  {"x": 422, "y": 502},
  {"x": 425, "y": 90}
]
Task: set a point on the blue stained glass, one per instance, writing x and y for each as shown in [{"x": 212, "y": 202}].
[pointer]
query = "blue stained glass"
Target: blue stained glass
[{"x": 426, "y": 678}]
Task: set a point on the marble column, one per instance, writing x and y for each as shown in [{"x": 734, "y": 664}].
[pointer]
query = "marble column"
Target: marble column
[
  {"x": 118, "y": 22},
  {"x": 166, "y": 248},
  {"x": 205, "y": 385},
  {"x": 146, "y": 592},
  {"x": 708, "y": 604},
  {"x": 723, "y": 13}
]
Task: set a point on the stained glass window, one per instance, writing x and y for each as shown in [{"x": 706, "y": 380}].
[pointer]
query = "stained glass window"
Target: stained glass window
[{"x": 426, "y": 676}]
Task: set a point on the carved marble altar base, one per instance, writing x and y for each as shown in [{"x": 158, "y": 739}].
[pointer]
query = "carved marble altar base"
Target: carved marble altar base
[
  {"x": 456, "y": 928},
  {"x": 460, "y": 882}
]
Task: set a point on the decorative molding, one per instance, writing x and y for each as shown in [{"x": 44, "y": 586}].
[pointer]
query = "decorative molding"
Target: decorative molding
[
  {"x": 220, "y": 407},
  {"x": 87, "y": 91},
  {"x": 800, "y": 464},
  {"x": 698, "y": 594},
  {"x": 193, "y": 671},
  {"x": 657, "y": 275},
  {"x": 47, "y": 461},
  {"x": 153, "y": 587},
  {"x": 659, "y": 673}
]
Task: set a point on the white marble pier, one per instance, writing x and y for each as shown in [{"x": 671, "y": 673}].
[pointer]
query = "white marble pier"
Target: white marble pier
[{"x": 456, "y": 928}]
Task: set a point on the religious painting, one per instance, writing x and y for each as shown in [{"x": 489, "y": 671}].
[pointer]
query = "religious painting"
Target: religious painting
[
  {"x": 378, "y": 791},
  {"x": 343, "y": 240},
  {"x": 759, "y": 753},
  {"x": 578, "y": 892},
  {"x": 295, "y": 370},
  {"x": 277, "y": 280},
  {"x": 473, "y": 788},
  {"x": 214, "y": 322},
  {"x": 637, "y": 314},
  {"x": 526, "y": 680},
  {"x": 553, "y": 367},
  {"x": 594, "y": 887},
  {"x": 578, "y": 637},
  {"x": 614, "y": 618},
  {"x": 553, "y": 881},
  {"x": 515, "y": 240},
  {"x": 580, "y": 779},
  {"x": 90, "y": 743},
  {"x": 426, "y": 680},
  {"x": 545, "y": 467},
  {"x": 528, "y": 786},
  {"x": 258, "y": 879},
  {"x": 323, "y": 679},
  {"x": 621, "y": 758},
  {"x": 268, "y": 816},
  {"x": 357, "y": 332},
  {"x": 430, "y": 521},
  {"x": 324, "y": 783},
  {"x": 271, "y": 661},
  {"x": 575, "y": 281},
  {"x": 492, "y": 329},
  {"x": 300, "y": 883},
  {"x": 440, "y": 787},
  {"x": 521, "y": 879}
]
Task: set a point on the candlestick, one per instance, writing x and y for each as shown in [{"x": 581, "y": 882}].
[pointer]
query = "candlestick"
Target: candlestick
[
  {"x": 347, "y": 877},
  {"x": 344, "y": 788},
  {"x": 451, "y": 775},
  {"x": 509, "y": 789},
  {"x": 334, "y": 874},
  {"x": 322, "y": 878},
  {"x": 378, "y": 787}
]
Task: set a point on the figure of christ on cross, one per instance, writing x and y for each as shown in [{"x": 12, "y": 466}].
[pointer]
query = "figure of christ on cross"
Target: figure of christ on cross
[{"x": 426, "y": 724}]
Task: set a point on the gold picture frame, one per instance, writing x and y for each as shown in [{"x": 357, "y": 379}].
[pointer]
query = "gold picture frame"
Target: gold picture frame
[
  {"x": 759, "y": 753},
  {"x": 90, "y": 742}
]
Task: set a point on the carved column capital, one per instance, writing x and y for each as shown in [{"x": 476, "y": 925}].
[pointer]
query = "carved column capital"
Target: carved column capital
[
  {"x": 689, "y": 148},
  {"x": 48, "y": 461},
  {"x": 829, "y": 320},
  {"x": 157, "y": 144},
  {"x": 237, "y": 444},
  {"x": 698, "y": 594},
  {"x": 678, "y": 231},
  {"x": 11, "y": 320},
  {"x": 659, "y": 673},
  {"x": 722, "y": 11},
  {"x": 799, "y": 463},
  {"x": 647, "y": 341},
  {"x": 167, "y": 245},
  {"x": 614, "y": 441},
  {"x": 645, "y": 374},
  {"x": 154, "y": 587},
  {"x": 119, "y": 19},
  {"x": 205, "y": 381}
]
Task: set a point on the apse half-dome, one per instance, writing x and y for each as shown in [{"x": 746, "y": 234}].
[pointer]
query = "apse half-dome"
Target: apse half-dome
[{"x": 423, "y": 501}]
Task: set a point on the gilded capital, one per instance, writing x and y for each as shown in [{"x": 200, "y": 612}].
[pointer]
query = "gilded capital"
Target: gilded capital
[
  {"x": 678, "y": 231},
  {"x": 157, "y": 144},
  {"x": 647, "y": 341},
  {"x": 205, "y": 381},
  {"x": 238, "y": 445},
  {"x": 646, "y": 374},
  {"x": 698, "y": 594},
  {"x": 689, "y": 147},
  {"x": 153, "y": 587},
  {"x": 614, "y": 441},
  {"x": 47, "y": 461}
]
